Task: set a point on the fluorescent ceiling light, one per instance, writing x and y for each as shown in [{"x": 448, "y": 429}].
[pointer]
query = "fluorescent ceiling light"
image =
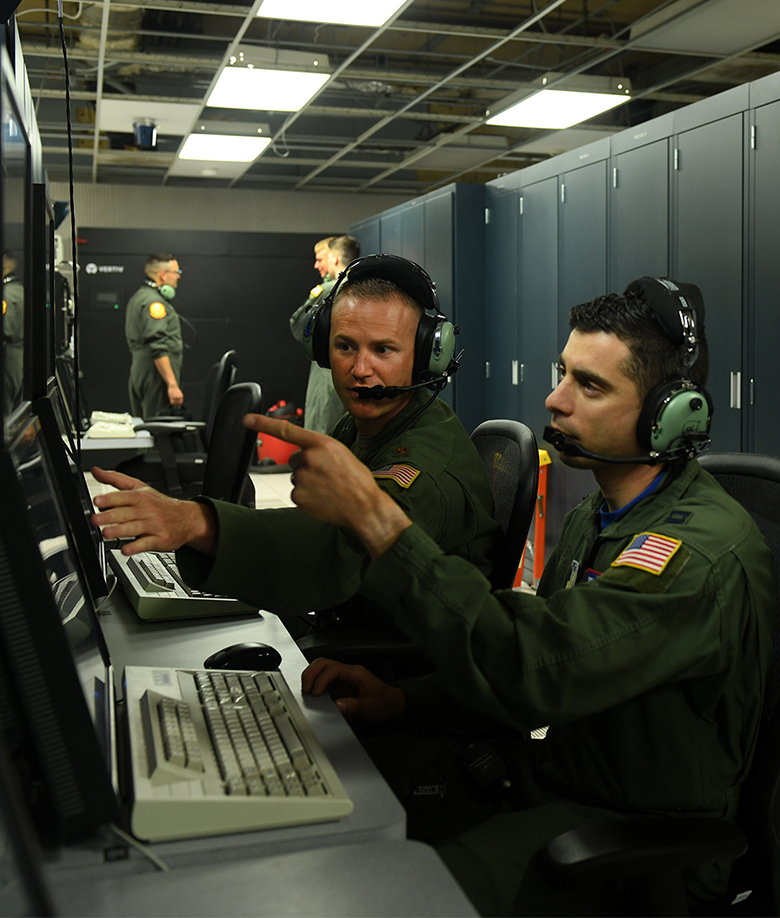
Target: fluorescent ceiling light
[
  {"x": 557, "y": 108},
  {"x": 346, "y": 12},
  {"x": 265, "y": 90},
  {"x": 225, "y": 148}
]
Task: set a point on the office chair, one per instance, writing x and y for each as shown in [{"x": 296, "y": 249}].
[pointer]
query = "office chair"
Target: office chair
[
  {"x": 510, "y": 458},
  {"x": 179, "y": 459},
  {"x": 648, "y": 854},
  {"x": 232, "y": 446},
  {"x": 511, "y": 461}
]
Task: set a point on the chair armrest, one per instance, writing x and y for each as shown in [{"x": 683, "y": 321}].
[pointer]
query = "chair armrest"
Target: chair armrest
[
  {"x": 631, "y": 847},
  {"x": 168, "y": 428}
]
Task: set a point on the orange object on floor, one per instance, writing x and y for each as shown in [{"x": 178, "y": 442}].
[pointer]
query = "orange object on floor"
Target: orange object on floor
[{"x": 540, "y": 523}]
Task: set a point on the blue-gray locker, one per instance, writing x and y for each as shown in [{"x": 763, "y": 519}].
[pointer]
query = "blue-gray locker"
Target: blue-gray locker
[{"x": 707, "y": 243}]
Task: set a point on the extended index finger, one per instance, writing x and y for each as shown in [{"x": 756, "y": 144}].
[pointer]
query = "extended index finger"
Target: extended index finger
[{"x": 283, "y": 430}]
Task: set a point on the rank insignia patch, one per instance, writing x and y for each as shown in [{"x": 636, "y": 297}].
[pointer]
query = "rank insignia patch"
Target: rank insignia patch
[
  {"x": 403, "y": 475},
  {"x": 648, "y": 551},
  {"x": 157, "y": 311},
  {"x": 401, "y": 451}
]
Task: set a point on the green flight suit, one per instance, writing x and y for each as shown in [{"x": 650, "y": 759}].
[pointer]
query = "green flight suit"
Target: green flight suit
[
  {"x": 153, "y": 330},
  {"x": 651, "y": 683},
  {"x": 13, "y": 343},
  {"x": 289, "y": 563},
  {"x": 323, "y": 407}
]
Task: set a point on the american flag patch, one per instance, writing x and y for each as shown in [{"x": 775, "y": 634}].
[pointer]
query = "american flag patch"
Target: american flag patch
[
  {"x": 403, "y": 475},
  {"x": 648, "y": 551}
]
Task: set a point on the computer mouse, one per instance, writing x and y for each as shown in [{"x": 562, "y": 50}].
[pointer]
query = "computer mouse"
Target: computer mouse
[{"x": 245, "y": 656}]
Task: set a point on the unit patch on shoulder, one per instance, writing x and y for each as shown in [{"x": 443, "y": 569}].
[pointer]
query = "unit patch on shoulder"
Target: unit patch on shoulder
[
  {"x": 315, "y": 291},
  {"x": 5, "y": 306},
  {"x": 403, "y": 475},
  {"x": 648, "y": 551},
  {"x": 157, "y": 311}
]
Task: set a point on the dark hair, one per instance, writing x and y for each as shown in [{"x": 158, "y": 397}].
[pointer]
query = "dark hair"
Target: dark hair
[
  {"x": 378, "y": 288},
  {"x": 348, "y": 248},
  {"x": 654, "y": 358},
  {"x": 154, "y": 264}
]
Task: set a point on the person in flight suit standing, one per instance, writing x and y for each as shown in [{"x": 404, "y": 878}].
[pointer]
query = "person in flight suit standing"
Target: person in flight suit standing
[
  {"x": 323, "y": 406},
  {"x": 153, "y": 332}
]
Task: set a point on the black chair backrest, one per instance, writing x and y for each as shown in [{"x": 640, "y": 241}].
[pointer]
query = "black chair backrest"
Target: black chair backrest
[
  {"x": 231, "y": 445},
  {"x": 511, "y": 459},
  {"x": 754, "y": 481},
  {"x": 220, "y": 378}
]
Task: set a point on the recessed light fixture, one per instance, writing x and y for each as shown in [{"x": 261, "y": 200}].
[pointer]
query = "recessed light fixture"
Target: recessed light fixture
[
  {"x": 557, "y": 108},
  {"x": 346, "y": 12},
  {"x": 259, "y": 89},
  {"x": 227, "y": 148}
]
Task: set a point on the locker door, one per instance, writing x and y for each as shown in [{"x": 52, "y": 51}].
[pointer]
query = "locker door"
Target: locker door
[
  {"x": 639, "y": 209},
  {"x": 539, "y": 347},
  {"x": 708, "y": 210},
  {"x": 765, "y": 320},
  {"x": 582, "y": 236},
  {"x": 502, "y": 246}
]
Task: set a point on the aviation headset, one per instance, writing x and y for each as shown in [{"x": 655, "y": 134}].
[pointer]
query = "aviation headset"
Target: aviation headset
[
  {"x": 676, "y": 415},
  {"x": 434, "y": 346}
]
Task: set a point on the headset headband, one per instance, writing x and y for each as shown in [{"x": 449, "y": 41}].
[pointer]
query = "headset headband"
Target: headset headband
[
  {"x": 405, "y": 274},
  {"x": 678, "y": 308}
]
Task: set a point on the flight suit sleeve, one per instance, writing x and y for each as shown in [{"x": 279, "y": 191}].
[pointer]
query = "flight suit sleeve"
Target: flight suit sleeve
[
  {"x": 299, "y": 319},
  {"x": 160, "y": 329},
  {"x": 525, "y": 660},
  {"x": 288, "y": 563}
]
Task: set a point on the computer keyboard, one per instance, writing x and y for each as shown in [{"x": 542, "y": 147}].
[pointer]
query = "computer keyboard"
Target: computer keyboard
[
  {"x": 108, "y": 430},
  {"x": 215, "y": 752},
  {"x": 111, "y": 417},
  {"x": 152, "y": 582}
]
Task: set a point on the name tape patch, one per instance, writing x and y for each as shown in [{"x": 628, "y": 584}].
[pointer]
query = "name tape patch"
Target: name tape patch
[
  {"x": 403, "y": 475},
  {"x": 648, "y": 551}
]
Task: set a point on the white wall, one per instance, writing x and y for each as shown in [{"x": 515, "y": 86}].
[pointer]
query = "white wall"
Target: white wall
[{"x": 142, "y": 207}]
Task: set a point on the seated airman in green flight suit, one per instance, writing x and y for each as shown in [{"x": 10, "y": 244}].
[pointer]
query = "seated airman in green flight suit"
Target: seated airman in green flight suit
[
  {"x": 646, "y": 649},
  {"x": 419, "y": 454}
]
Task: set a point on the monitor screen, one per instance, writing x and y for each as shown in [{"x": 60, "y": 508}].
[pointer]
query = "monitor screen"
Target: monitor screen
[
  {"x": 15, "y": 161},
  {"x": 74, "y": 493},
  {"x": 22, "y": 887},
  {"x": 54, "y": 655}
]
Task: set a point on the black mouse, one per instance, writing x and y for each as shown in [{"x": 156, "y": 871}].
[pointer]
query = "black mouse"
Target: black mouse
[{"x": 245, "y": 656}]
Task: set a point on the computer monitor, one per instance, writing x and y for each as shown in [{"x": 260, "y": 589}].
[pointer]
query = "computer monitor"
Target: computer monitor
[
  {"x": 14, "y": 201},
  {"x": 74, "y": 493},
  {"x": 22, "y": 887},
  {"x": 42, "y": 272},
  {"x": 56, "y": 687}
]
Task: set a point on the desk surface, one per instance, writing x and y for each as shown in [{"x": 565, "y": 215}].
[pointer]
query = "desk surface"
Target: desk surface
[
  {"x": 402, "y": 878},
  {"x": 377, "y": 814}
]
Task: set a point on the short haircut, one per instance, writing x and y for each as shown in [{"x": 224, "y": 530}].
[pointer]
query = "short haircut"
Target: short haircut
[
  {"x": 155, "y": 264},
  {"x": 323, "y": 243},
  {"x": 375, "y": 288},
  {"x": 654, "y": 357},
  {"x": 348, "y": 248}
]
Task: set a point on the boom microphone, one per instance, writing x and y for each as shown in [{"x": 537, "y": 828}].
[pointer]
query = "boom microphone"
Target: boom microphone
[
  {"x": 436, "y": 383},
  {"x": 570, "y": 447}
]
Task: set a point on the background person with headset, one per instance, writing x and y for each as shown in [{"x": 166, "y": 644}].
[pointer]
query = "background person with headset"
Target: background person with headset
[
  {"x": 323, "y": 407},
  {"x": 386, "y": 341},
  {"x": 645, "y": 650},
  {"x": 153, "y": 332}
]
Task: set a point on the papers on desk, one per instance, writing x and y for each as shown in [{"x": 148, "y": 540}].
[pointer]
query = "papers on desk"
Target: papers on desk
[{"x": 110, "y": 430}]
